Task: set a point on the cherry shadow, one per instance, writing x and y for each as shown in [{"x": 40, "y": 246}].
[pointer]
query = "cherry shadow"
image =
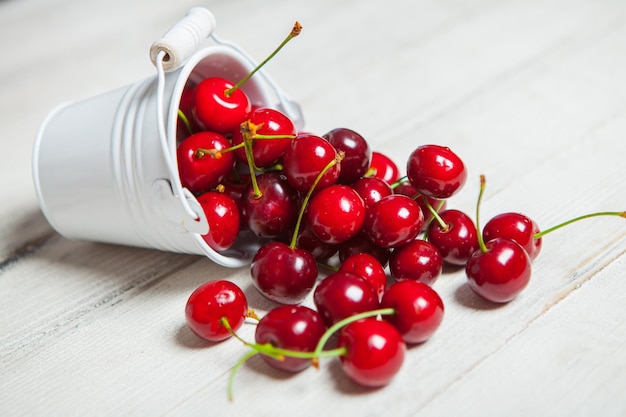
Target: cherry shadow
[{"x": 466, "y": 297}]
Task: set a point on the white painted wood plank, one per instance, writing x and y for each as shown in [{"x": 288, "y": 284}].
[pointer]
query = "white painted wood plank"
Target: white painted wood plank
[{"x": 529, "y": 93}]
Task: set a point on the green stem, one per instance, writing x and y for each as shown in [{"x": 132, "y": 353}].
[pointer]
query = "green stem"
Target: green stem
[
  {"x": 185, "y": 120},
  {"x": 295, "y": 31},
  {"x": 586, "y": 216},
  {"x": 481, "y": 241},
  {"x": 435, "y": 213},
  {"x": 231, "y": 377},
  {"x": 331, "y": 164},
  {"x": 341, "y": 323}
]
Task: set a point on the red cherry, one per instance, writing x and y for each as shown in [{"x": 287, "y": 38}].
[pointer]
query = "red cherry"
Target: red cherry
[
  {"x": 216, "y": 110},
  {"x": 408, "y": 190},
  {"x": 371, "y": 189},
  {"x": 500, "y": 271},
  {"x": 419, "y": 310},
  {"x": 436, "y": 171},
  {"x": 362, "y": 244},
  {"x": 200, "y": 171},
  {"x": 368, "y": 267},
  {"x": 457, "y": 240},
  {"x": 270, "y": 122},
  {"x": 210, "y": 303},
  {"x": 283, "y": 274},
  {"x": 222, "y": 215},
  {"x": 274, "y": 212},
  {"x": 418, "y": 260},
  {"x": 309, "y": 241},
  {"x": 393, "y": 221},
  {"x": 374, "y": 352},
  {"x": 296, "y": 328},
  {"x": 357, "y": 153},
  {"x": 305, "y": 158},
  {"x": 343, "y": 294},
  {"x": 384, "y": 168},
  {"x": 516, "y": 227},
  {"x": 335, "y": 214}
]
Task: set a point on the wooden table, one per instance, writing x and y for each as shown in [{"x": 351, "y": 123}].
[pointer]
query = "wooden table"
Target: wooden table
[{"x": 530, "y": 93}]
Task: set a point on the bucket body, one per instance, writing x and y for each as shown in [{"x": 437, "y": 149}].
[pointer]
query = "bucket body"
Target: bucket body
[{"x": 101, "y": 172}]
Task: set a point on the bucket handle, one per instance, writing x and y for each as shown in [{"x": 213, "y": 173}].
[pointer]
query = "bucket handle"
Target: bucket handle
[{"x": 170, "y": 52}]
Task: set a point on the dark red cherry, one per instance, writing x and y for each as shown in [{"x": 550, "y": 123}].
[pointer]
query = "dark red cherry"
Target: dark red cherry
[
  {"x": 516, "y": 227},
  {"x": 200, "y": 171},
  {"x": 408, "y": 190},
  {"x": 309, "y": 241},
  {"x": 283, "y": 274},
  {"x": 371, "y": 189},
  {"x": 275, "y": 211},
  {"x": 374, "y": 352},
  {"x": 211, "y": 302},
  {"x": 419, "y": 310},
  {"x": 393, "y": 221},
  {"x": 368, "y": 267},
  {"x": 295, "y": 328},
  {"x": 357, "y": 153},
  {"x": 418, "y": 260},
  {"x": 384, "y": 168},
  {"x": 362, "y": 244},
  {"x": 222, "y": 215},
  {"x": 500, "y": 272},
  {"x": 436, "y": 171},
  {"x": 215, "y": 110},
  {"x": 305, "y": 158},
  {"x": 335, "y": 214},
  {"x": 458, "y": 240},
  {"x": 266, "y": 152},
  {"x": 343, "y": 294}
]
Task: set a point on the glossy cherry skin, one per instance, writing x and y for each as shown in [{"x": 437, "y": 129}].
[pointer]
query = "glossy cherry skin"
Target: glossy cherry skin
[
  {"x": 216, "y": 111},
  {"x": 384, "y": 168},
  {"x": 211, "y": 302},
  {"x": 374, "y": 352},
  {"x": 437, "y": 204},
  {"x": 222, "y": 215},
  {"x": 309, "y": 241},
  {"x": 283, "y": 274},
  {"x": 335, "y": 214},
  {"x": 516, "y": 227},
  {"x": 343, "y": 294},
  {"x": 371, "y": 190},
  {"x": 418, "y": 260},
  {"x": 296, "y": 328},
  {"x": 199, "y": 171},
  {"x": 419, "y": 310},
  {"x": 362, "y": 244},
  {"x": 357, "y": 153},
  {"x": 459, "y": 241},
  {"x": 393, "y": 221},
  {"x": 436, "y": 171},
  {"x": 305, "y": 158},
  {"x": 368, "y": 267},
  {"x": 501, "y": 273},
  {"x": 273, "y": 213},
  {"x": 266, "y": 152}
]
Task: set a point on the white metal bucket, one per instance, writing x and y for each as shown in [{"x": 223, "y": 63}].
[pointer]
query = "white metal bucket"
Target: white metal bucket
[{"x": 105, "y": 168}]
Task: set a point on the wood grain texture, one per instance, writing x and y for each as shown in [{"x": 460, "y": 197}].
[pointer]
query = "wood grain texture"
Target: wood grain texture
[{"x": 531, "y": 93}]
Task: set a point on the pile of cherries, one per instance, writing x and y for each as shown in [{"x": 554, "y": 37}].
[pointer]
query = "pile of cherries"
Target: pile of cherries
[{"x": 330, "y": 201}]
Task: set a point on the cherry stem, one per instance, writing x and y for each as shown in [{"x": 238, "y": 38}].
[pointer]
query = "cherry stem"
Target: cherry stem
[
  {"x": 338, "y": 158},
  {"x": 342, "y": 323},
  {"x": 435, "y": 213},
  {"x": 481, "y": 241},
  {"x": 539, "y": 235},
  {"x": 295, "y": 31},
  {"x": 185, "y": 120},
  {"x": 239, "y": 364},
  {"x": 248, "y": 129},
  {"x": 399, "y": 182}
]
